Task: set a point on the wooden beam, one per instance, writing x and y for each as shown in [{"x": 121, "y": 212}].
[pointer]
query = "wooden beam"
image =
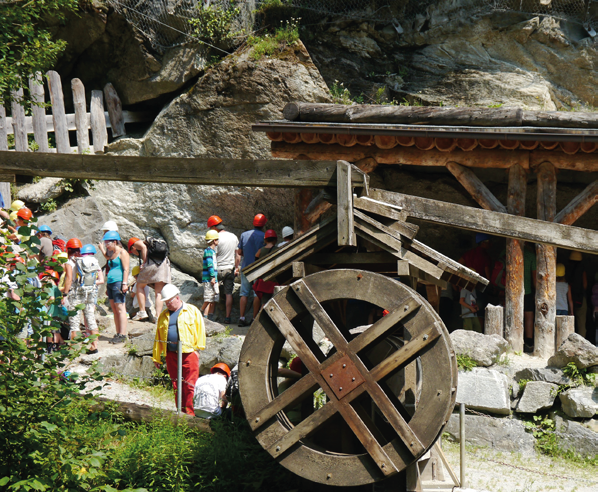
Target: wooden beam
[
  {"x": 494, "y": 223},
  {"x": 378, "y": 208},
  {"x": 302, "y": 199},
  {"x": 560, "y": 160},
  {"x": 351, "y": 258},
  {"x": 579, "y": 205},
  {"x": 478, "y": 190},
  {"x": 186, "y": 170},
  {"x": 344, "y": 205},
  {"x": 514, "y": 289}
]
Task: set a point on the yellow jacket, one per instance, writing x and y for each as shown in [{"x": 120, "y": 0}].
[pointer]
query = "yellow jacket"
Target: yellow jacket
[{"x": 191, "y": 328}]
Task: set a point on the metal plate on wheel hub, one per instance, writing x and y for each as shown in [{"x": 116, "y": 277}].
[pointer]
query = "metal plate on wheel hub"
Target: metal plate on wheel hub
[{"x": 342, "y": 377}]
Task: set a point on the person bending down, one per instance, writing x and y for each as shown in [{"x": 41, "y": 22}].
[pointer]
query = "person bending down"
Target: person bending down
[{"x": 209, "y": 398}]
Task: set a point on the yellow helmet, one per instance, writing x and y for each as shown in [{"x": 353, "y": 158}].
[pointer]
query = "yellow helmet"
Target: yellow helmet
[
  {"x": 211, "y": 235},
  {"x": 13, "y": 216},
  {"x": 135, "y": 270},
  {"x": 17, "y": 205},
  {"x": 575, "y": 256},
  {"x": 560, "y": 270}
]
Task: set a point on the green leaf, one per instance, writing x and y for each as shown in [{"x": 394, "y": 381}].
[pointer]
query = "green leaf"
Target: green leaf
[{"x": 4, "y": 481}]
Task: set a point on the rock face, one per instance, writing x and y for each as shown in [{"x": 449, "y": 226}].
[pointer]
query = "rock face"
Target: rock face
[
  {"x": 41, "y": 191},
  {"x": 220, "y": 349},
  {"x": 128, "y": 365},
  {"x": 501, "y": 434},
  {"x": 575, "y": 437},
  {"x": 546, "y": 374},
  {"x": 537, "y": 395},
  {"x": 575, "y": 349},
  {"x": 580, "y": 402},
  {"x": 484, "y": 349},
  {"x": 484, "y": 389}
]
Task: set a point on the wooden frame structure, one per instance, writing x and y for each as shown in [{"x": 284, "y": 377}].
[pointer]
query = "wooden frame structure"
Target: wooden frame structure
[{"x": 462, "y": 139}]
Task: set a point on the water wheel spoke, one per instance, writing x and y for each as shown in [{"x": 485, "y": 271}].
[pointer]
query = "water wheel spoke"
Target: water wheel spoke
[
  {"x": 406, "y": 352},
  {"x": 299, "y": 391},
  {"x": 384, "y": 324}
]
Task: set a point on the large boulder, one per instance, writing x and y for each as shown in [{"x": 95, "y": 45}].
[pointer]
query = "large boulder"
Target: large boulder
[
  {"x": 546, "y": 374},
  {"x": 220, "y": 349},
  {"x": 580, "y": 402},
  {"x": 485, "y": 350},
  {"x": 127, "y": 365},
  {"x": 575, "y": 349},
  {"x": 41, "y": 191},
  {"x": 143, "y": 344},
  {"x": 572, "y": 436},
  {"x": 484, "y": 389},
  {"x": 537, "y": 396}
]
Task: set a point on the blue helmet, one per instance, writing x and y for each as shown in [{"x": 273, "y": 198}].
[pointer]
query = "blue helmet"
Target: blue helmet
[
  {"x": 480, "y": 237},
  {"x": 44, "y": 228},
  {"x": 111, "y": 236},
  {"x": 88, "y": 249}
]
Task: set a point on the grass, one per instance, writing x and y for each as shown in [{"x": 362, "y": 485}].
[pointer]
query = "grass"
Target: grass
[
  {"x": 269, "y": 44},
  {"x": 465, "y": 362}
]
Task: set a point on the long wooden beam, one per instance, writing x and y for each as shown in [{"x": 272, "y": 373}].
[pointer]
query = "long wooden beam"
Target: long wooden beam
[
  {"x": 495, "y": 223},
  {"x": 579, "y": 205},
  {"x": 185, "y": 170},
  {"x": 478, "y": 190}
]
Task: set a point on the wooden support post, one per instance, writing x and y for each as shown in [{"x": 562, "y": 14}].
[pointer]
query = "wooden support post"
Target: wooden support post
[
  {"x": 81, "y": 121},
  {"x": 494, "y": 320},
  {"x": 302, "y": 199},
  {"x": 344, "y": 206},
  {"x": 565, "y": 325},
  {"x": 478, "y": 190},
  {"x": 4, "y": 187},
  {"x": 544, "y": 332},
  {"x": 115, "y": 111},
  {"x": 18, "y": 121},
  {"x": 40, "y": 128},
  {"x": 514, "y": 289},
  {"x": 61, "y": 132},
  {"x": 579, "y": 205},
  {"x": 433, "y": 293},
  {"x": 99, "y": 133}
]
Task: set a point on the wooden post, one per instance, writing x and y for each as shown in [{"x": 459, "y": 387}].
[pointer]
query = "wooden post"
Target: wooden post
[
  {"x": 433, "y": 292},
  {"x": 38, "y": 120},
  {"x": 4, "y": 187},
  {"x": 514, "y": 289},
  {"x": 115, "y": 111},
  {"x": 18, "y": 121},
  {"x": 81, "y": 121},
  {"x": 344, "y": 205},
  {"x": 544, "y": 343},
  {"x": 302, "y": 200},
  {"x": 579, "y": 205},
  {"x": 478, "y": 190},
  {"x": 61, "y": 132},
  {"x": 99, "y": 133},
  {"x": 565, "y": 325},
  {"x": 494, "y": 320}
]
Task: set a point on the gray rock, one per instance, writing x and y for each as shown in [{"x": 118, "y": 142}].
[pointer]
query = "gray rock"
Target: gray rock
[
  {"x": 213, "y": 328},
  {"x": 137, "y": 329},
  {"x": 580, "y": 402},
  {"x": 484, "y": 389},
  {"x": 220, "y": 349},
  {"x": 575, "y": 437},
  {"x": 575, "y": 349},
  {"x": 537, "y": 395},
  {"x": 546, "y": 374},
  {"x": 127, "y": 365},
  {"x": 484, "y": 349},
  {"x": 191, "y": 289},
  {"x": 41, "y": 191},
  {"x": 502, "y": 434},
  {"x": 144, "y": 344},
  {"x": 515, "y": 390}
]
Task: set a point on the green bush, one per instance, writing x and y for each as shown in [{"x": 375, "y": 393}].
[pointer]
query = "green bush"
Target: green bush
[
  {"x": 465, "y": 362},
  {"x": 213, "y": 24}
]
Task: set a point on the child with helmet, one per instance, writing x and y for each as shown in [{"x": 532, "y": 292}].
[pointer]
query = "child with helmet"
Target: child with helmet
[
  {"x": 209, "y": 276},
  {"x": 209, "y": 398}
]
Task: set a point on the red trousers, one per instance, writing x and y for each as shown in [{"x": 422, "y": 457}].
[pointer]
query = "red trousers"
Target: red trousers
[{"x": 190, "y": 375}]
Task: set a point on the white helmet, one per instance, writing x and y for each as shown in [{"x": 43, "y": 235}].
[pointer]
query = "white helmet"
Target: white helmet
[
  {"x": 169, "y": 291},
  {"x": 110, "y": 226},
  {"x": 287, "y": 232}
]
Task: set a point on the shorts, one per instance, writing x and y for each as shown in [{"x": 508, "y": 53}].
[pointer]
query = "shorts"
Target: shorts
[
  {"x": 115, "y": 293},
  {"x": 562, "y": 312},
  {"x": 209, "y": 292},
  {"x": 227, "y": 281},
  {"x": 245, "y": 286},
  {"x": 472, "y": 324}
]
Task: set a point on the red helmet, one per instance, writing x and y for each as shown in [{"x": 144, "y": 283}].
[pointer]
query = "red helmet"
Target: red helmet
[
  {"x": 270, "y": 233},
  {"x": 222, "y": 366},
  {"x": 25, "y": 214},
  {"x": 132, "y": 241},
  {"x": 74, "y": 243},
  {"x": 259, "y": 220},
  {"x": 214, "y": 220},
  {"x": 296, "y": 365}
]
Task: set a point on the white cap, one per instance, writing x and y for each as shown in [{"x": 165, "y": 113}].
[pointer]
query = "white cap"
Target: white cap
[
  {"x": 110, "y": 226},
  {"x": 169, "y": 291},
  {"x": 287, "y": 231}
]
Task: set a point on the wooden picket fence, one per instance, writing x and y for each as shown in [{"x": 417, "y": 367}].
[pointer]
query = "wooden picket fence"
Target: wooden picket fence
[{"x": 96, "y": 119}]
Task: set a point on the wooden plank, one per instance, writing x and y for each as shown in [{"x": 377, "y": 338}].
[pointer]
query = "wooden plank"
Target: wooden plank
[
  {"x": 351, "y": 258},
  {"x": 3, "y": 129},
  {"x": 579, "y": 205},
  {"x": 38, "y": 118},
  {"x": 61, "y": 133},
  {"x": 99, "y": 134},
  {"x": 433, "y": 295},
  {"x": 115, "y": 111},
  {"x": 515, "y": 289},
  {"x": 302, "y": 269},
  {"x": 560, "y": 160},
  {"x": 447, "y": 465},
  {"x": 302, "y": 199},
  {"x": 344, "y": 206},
  {"x": 494, "y": 223},
  {"x": 18, "y": 121},
  {"x": 544, "y": 327},
  {"x": 81, "y": 120},
  {"x": 478, "y": 190},
  {"x": 379, "y": 208}
]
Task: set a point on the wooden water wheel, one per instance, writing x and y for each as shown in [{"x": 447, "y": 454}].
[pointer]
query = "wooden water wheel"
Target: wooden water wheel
[{"x": 385, "y": 391}]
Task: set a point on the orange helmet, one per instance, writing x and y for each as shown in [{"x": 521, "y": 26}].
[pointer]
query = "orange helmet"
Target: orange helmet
[
  {"x": 132, "y": 241},
  {"x": 25, "y": 214},
  {"x": 270, "y": 233},
  {"x": 214, "y": 220},
  {"x": 259, "y": 220},
  {"x": 73, "y": 243},
  {"x": 221, "y": 366}
]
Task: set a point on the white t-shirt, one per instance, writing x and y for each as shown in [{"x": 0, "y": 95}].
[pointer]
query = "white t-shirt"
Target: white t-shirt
[
  {"x": 148, "y": 299},
  {"x": 206, "y": 397},
  {"x": 227, "y": 245}
]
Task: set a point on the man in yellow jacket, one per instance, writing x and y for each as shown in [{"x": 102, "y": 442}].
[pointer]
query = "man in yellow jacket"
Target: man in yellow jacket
[{"x": 185, "y": 322}]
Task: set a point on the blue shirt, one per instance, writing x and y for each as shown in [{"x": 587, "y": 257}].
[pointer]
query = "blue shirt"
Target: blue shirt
[
  {"x": 173, "y": 331},
  {"x": 250, "y": 243}
]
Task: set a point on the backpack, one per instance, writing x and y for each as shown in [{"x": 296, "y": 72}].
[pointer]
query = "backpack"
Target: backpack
[
  {"x": 87, "y": 271},
  {"x": 498, "y": 277},
  {"x": 157, "y": 249}
]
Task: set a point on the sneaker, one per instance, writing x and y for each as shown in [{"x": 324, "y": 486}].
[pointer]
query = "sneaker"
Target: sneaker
[
  {"x": 150, "y": 316},
  {"x": 115, "y": 338},
  {"x": 120, "y": 339},
  {"x": 243, "y": 322},
  {"x": 140, "y": 316},
  {"x": 91, "y": 352},
  {"x": 227, "y": 321}
]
